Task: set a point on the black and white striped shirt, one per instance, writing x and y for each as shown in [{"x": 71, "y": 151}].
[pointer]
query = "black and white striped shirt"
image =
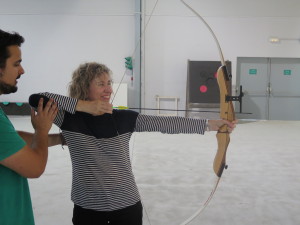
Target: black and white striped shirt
[{"x": 99, "y": 148}]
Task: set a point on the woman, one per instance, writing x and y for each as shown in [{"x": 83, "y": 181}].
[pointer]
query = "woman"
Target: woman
[{"x": 103, "y": 186}]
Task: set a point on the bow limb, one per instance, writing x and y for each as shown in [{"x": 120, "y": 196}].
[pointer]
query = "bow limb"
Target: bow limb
[{"x": 210, "y": 30}]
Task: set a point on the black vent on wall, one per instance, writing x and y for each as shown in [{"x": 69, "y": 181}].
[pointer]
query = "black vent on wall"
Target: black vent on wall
[{"x": 15, "y": 108}]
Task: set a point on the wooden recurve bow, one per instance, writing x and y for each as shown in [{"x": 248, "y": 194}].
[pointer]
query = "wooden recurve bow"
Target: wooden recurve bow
[{"x": 226, "y": 113}]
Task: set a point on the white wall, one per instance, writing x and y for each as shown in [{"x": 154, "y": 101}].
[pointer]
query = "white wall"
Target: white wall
[
  {"x": 243, "y": 28},
  {"x": 59, "y": 35}
]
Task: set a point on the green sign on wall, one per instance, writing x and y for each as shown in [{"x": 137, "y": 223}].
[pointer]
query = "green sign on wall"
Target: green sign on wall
[
  {"x": 287, "y": 72},
  {"x": 252, "y": 71}
]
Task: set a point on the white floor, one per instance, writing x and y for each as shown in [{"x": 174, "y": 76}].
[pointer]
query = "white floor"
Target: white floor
[{"x": 174, "y": 173}]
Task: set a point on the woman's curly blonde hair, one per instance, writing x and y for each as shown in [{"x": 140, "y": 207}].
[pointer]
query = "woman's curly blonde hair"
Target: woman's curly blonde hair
[{"x": 82, "y": 77}]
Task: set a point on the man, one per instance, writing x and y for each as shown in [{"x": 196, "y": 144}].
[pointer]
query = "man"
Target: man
[{"x": 22, "y": 155}]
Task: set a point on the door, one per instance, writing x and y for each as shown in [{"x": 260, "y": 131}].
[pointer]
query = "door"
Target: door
[
  {"x": 253, "y": 75},
  {"x": 284, "y": 102},
  {"x": 270, "y": 87}
]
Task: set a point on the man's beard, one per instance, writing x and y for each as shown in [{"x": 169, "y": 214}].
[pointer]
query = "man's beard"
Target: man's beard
[{"x": 7, "y": 88}]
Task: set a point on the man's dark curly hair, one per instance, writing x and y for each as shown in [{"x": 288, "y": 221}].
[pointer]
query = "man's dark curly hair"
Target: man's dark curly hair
[{"x": 6, "y": 40}]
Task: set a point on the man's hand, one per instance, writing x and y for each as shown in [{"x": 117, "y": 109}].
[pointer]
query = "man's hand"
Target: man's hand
[{"x": 42, "y": 119}]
